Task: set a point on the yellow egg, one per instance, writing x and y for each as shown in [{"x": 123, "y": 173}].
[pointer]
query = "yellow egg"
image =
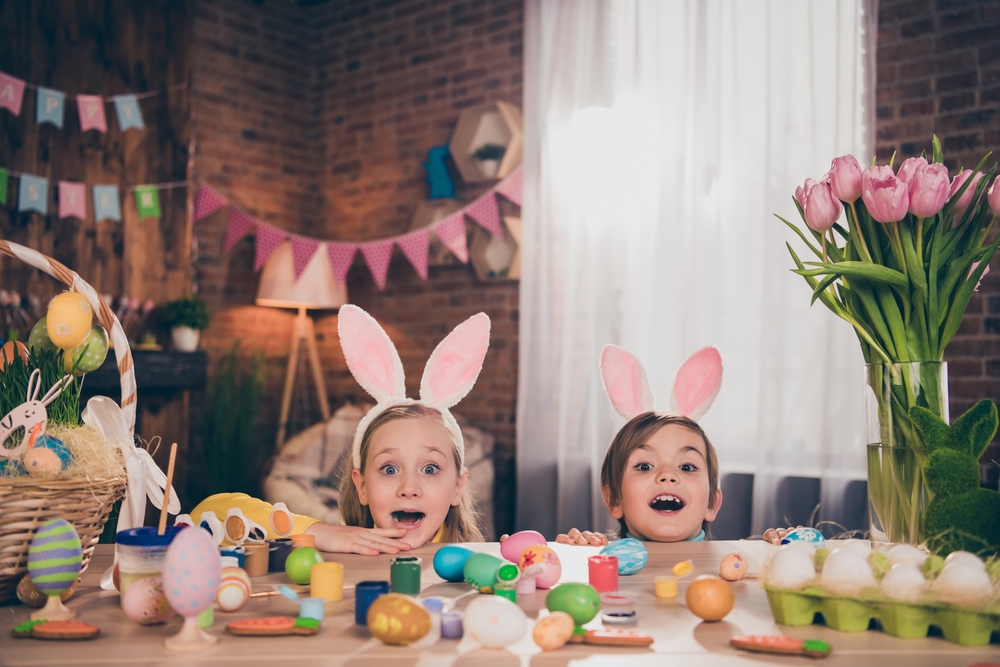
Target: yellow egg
[
  {"x": 710, "y": 598},
  {"x": 68, "y": 320},
  {"x": 683, "y": 568},
  {"x": 553, "y": 631},
  {"x": 398, "y": 619}
]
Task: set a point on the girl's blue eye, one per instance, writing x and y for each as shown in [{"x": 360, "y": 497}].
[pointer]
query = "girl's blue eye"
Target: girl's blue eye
[
  {"x": 389, "y": 469},
  {"x": 643, "y": 467},
  {"x": 430, "y": 469},
  {"x": 689, "y": 467}
]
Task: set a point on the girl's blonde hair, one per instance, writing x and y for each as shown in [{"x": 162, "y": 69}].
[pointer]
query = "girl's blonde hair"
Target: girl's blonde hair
[
  {"x": 637, "y": 432},
  {"x": 461, "y": 523}
]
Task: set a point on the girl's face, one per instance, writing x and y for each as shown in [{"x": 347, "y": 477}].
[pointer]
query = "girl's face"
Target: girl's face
[
  {"x": 665, "y": 490},
  {"x": 410, "y": 479}
]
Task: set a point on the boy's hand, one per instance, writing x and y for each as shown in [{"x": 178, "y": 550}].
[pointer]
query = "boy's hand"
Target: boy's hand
[
  {"x": 356, "y": 540},
  {"x": 586, "y": 538}
]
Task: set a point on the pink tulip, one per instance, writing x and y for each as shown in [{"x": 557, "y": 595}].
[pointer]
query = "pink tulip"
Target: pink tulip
[
  {"x": 928, "y": 188},
  {"x": 885, "y": 196},
  {"x": 909, "y": 168},
  {"x": 993, "y": 196},
  {"x": 845, "y": 178},
  {"x": 822, "y": 208},
  {"x": 966, "y": 198},
  {"x": 802, "y": 191}
]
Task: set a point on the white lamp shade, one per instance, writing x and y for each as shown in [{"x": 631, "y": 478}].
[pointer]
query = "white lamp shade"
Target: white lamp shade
[{"x": 315, "y": 288}]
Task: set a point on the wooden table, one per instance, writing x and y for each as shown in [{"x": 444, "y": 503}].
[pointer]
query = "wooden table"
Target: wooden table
[{"x": 678, "y": 633}]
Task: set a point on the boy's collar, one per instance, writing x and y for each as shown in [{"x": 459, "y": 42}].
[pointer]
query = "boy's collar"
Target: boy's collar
[{"x": 700, "y": 537}]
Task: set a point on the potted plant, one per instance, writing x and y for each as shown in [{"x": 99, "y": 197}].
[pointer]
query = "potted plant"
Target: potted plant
[
  {"x": 186, "y": 317},
  {"x": 489, "y": 156}
]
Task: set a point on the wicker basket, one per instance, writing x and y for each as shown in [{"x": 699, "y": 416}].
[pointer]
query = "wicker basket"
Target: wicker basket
[{"x": 28, "y": 502}]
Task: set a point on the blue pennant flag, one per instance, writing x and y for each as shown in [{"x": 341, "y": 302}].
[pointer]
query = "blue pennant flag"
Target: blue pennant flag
[
  {"x": 49, "y": 106},
  {"x": 106, "y": 206},
  {"x": 33, "y": 194},
  {"x": 127, "y": 108}
]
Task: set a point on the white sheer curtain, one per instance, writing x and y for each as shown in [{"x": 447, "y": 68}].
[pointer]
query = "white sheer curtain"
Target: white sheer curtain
[{"x": 660, "y": 139}]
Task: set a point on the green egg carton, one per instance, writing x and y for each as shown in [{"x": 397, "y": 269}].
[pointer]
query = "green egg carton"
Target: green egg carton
[{"x": 899, "y": 619}]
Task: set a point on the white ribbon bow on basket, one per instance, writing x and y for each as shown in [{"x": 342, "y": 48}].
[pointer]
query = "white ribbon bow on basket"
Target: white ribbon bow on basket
[{"x": 145, "y": 479}]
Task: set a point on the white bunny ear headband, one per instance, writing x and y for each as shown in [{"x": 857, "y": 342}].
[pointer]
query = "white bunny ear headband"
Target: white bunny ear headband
[
  {"x": 450, "y": 373},
  {"x": 695, "y": 387}
]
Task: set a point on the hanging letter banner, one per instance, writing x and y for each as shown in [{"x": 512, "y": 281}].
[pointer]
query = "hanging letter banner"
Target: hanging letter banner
[
  {"x": 127, "y": 108},
  {"x": 106, "y": 206},
  {"x": 33, "y": 194},
  {"x": 11, "y": 93},
  {"x": 72, "y": 203},
  {"x": 147, "y": 201},
  {"x": 49, "y": 106},
  {"x": 91, "y": 108},
  {"x": 3, "y": 187}
]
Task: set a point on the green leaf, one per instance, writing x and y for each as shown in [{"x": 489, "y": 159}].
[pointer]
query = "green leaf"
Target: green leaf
[
  {"x": 873, "y": 272},
  {"x": 938, "y": 155},
  {"x": 961, "y": 301},
  {"x": 802, "y": 236},
  {"x": 821, "y": 287}
]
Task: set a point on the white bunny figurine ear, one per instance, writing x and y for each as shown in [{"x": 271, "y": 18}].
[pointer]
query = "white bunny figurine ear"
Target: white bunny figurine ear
[
  {"x": 455, "y": 364},
  {"x": 371, "y": 356},
  {"x": 697, "y": 384},
  {"x": 625, "y": 382}
]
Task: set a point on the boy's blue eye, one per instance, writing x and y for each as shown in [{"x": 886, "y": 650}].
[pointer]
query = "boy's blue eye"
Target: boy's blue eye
[
  {"x": 689, "y": 467},
  {"x": 430, "y": 469},
  {"x": 389, "y": 469},
  {"x": 644, "y": 467}
]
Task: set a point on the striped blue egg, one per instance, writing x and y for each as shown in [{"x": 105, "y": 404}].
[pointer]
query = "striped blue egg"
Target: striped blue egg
[{"x": 55, "y": 557}]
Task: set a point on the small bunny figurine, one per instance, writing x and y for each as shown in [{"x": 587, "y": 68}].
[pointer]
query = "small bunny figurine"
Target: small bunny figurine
[{"x": 30, "y": 414}]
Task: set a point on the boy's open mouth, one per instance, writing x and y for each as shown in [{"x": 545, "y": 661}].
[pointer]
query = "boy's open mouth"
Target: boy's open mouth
[
  {"x": 667, "y": 503},
  {"x": 410, "y": 519}
]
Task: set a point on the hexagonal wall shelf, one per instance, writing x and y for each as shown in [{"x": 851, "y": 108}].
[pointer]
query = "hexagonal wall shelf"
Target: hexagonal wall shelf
[
  {"x": 494, "y": 257},
  {"x": 497, "y": 123}
]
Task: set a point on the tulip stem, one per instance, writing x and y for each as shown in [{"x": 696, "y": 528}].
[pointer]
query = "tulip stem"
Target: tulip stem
[
  {"x": 986, "y": 232},
  {"x": 899, "y": 248},
  {"x": 825, "y": 259},
  {"x": 920, "y": 241},
  {"x": 861, "y": 234}
]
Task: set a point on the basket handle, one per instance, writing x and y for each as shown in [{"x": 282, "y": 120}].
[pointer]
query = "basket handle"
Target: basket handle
[{"x": 123, "y": 353}]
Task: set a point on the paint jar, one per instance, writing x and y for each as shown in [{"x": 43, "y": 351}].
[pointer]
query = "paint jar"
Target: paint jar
[
  {"x": 303, "y": 540},
  {"x": 239, "y": 553},
  {"x": 255, "y": 560},
  {"x": 506, "y": 589},
  {"x": 451, "y": 625},
  {"x": 526, "y": 586},
  {"x": 365, "y": 592},
  {"x": 312, "y": 608},
  {"x": 666, "y": 586},
  {"x": 404, "y": 573},
  {"x": 326, "y": 580},
  {"x": 618, "y": 608},
  {"x": 278, "y": 551},
  {"x": 141, "y": 552},
  {"x": 603, "y": 572}
]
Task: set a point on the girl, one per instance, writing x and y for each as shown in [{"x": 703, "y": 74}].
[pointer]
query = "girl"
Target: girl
[{"x": 660, "y": 477}]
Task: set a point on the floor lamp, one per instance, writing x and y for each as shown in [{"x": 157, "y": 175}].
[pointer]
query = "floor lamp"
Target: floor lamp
[{"x": 315, "y": 289}]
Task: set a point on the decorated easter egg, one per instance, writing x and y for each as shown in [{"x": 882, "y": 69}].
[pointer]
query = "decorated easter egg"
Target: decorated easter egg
[
  {"x": 299, "y": 563},
  {"x": 146, "y": 603},
  {"x": 494, "y": 621},
  {"x": 49, "y": 456},
  {"x": 733, "y": 567},
  {"x": 88, "y": 355},
  {"x": 553, "y": 631},
  {"x": 449, "y": 562},
  {"x": 55, "y": 557},
  {"x": 807, "y": 535},
  {"x": 580, "y": 601},
  {"x": 11, "y": 468},
  {"x": 191, "y": 572},
  {"x": 11, "y": 350},
  {"x": 480, "y": 571},
  {"x": 234, "y": 589},
  {"x": 541, "y": 554},
  {"x": 710, "y": 598},
  {"x": 631, "y": 554},
  {"x": 398, "y": 619},
  {"x": 68, "y": 320},
  {"x": 39, "y": 339},
  {"x": 515, "y": 544},
  {"x": 32, "y": 597}
]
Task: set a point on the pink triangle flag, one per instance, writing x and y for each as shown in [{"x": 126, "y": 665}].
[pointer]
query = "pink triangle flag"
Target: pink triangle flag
[
  {"x": 511, "y": 186},
  {"x": 91, "y": 108},
  {"x": 341, "y": 256},
  {"x": 207, "y": 202},
  {"x": 268, "y": 240},
  {"x": 451, "y": 231},
  {"x": 415, "y": 245},
  {"x": 72, "y": 200},
  {"x": 240, "y": 224},
  {"x": 303, "y": 250},
  {"x": 11, "y": 93},
  {"x": 485, "y": 212},
  {"x": 377, "y": 255}
]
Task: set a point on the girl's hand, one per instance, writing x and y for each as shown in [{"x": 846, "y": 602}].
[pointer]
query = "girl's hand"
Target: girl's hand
[
  {"x": 586, "y": 538},
  {"x": 775, "y": 535},
  {"x": 357, "y": 540}
]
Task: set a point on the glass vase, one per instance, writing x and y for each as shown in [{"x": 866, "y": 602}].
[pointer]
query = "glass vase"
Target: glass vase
[{"x": 897, "y": 492}]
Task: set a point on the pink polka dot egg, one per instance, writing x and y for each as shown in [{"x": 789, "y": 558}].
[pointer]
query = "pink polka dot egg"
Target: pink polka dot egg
[
  {"x": 733, "y": 567},
  {"x": 191, "y": 572}
]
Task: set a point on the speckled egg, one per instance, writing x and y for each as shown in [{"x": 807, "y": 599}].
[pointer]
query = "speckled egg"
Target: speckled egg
[
  {"x": 32, "y": 597},
  {"x": 539, "y": 554},
  {"x": 449, "y": 562},
  {"x": 145, "y": 602},
  {"x": 55, "y": 557},
  {"x": 234, "y": 589},
  {"x": 191, "y": 572},
  {"x": 733, "y": 567},
  {"x": 807, "y": 535},
  {"x": 39, "y": 339},
  {"x": 88, "y": 355},
  {"x": 494, "y": 621},
  {"x": 398, "y": 619},
  {"x": 631, "y": 554},
  {"x": 553, "y": 631},
  {"x": 480, "y": 571},
  {"x": 49, "y": 456},
  {"x": 514, "y": 546}
]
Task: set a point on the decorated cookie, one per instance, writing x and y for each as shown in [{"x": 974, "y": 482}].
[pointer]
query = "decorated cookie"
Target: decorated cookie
[
  {"x": 616, "y": 638},
  {"x": 778, "y": 644},
  {"x": 273, "y": 626},
  {"x": 61, "y": 630}
]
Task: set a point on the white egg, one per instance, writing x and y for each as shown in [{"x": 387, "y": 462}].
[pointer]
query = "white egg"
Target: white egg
[
  {"x": 965, "y": 584},
  {"x": 964, "y": 558},
  {"x": 906, "y": 554},
  {"x": 494, "y": 621},
  {"x": 791, "y": 568},
  {"x": 904, "y": 582},
  {"x": 862, "y": 547},
  {"x": 846, "y": 572}
]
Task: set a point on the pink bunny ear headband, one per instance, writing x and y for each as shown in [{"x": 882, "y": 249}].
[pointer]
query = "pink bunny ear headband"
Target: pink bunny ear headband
[
  {"x": 449, "y": 375},
  {"x": 695, "y": 387}
]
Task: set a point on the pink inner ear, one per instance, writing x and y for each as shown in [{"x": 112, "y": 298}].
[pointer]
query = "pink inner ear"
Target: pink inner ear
[
  {"x": 625, "y": 382},
  {"x": 455, "y": 364},
  {"x": 698, "y": 382},
  {"x": 369, "y": 352}
]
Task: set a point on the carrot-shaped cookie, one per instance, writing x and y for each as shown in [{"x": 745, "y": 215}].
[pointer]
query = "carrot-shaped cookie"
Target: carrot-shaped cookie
[{"x": 813, "y": 648}]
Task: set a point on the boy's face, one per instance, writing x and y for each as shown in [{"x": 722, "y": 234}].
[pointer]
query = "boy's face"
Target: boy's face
[
  {"x": 410, "y": 479},
  {"x": 665, "y": 494}
]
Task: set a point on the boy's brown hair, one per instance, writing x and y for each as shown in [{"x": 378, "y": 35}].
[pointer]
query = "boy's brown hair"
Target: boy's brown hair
[
  {"x": 461, "y": 523},
  {"x": 637, "y": 432}
]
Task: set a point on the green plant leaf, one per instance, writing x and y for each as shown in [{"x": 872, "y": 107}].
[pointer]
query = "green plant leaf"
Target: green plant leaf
[{"x": 874, "y": 272}]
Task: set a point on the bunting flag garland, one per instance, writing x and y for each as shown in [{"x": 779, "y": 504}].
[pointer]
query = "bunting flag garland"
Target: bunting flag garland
[
  {"x": 147, "y": 202},
  {"x": 207, "y": 202},
  {"x": 11, "y": 93},
  {"x": 106, "y": 206},
  {"x": 91, "y": 108},
  {"x": 415, "y": 246},
  {"x": 268, "y": 240},
  {"x": 50, "y": 106},
  {"x": 377, "y": 255},
  {"x": 3, "y": 186},
  {"x": 127, "y": 109},
  {"x": 33, "y": 194},
  {"x": 451, "y": 231},
  {"x": 303, "y": 250},
  {"x": 486, "y": 213},
  {"x": 512, "y": 186},
  {"x": 240, "y": 224},
  {"x": 341, "y": 257},
  {"x": 72, "y": 200}
]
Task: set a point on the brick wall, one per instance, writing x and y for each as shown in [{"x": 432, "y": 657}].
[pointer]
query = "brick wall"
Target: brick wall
[
  {"x": 316, "y": 119},
  {"x": 939, "y": 73}
]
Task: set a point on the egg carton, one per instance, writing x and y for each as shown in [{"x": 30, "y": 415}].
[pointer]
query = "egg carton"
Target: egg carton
[{"x": 899, "y": 619}]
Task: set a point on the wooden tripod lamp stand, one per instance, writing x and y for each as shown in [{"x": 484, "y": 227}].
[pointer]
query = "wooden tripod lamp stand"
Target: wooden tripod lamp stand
[{"x": 315, "y": 289}]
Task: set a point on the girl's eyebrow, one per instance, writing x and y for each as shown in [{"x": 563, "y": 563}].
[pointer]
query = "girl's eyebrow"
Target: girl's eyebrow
[{"x": 693, "y": 449}]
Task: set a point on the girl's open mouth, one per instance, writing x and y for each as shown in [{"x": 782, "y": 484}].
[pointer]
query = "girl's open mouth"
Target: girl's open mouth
[
  {"x": 667, "y": 503},
  {"x": 408, "y": 519}
]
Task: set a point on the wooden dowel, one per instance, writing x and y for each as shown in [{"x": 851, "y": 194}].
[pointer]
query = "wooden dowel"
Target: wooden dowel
[{"x": 166, "y": 491}]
